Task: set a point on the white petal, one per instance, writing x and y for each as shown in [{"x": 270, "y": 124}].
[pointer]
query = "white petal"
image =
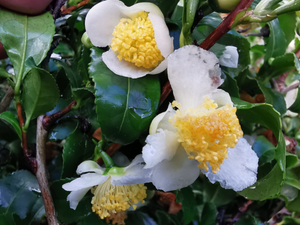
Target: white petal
[
  {"x": 176, "y": 173},
  {"x": 135, "y": 175},
  {"x": 291, "y": 95},
  {"x": 85, "y": 181},
  {"x": 162, "y": 36},
  {"x": 220, "y": 97},
  {"x": 239, "y": 170},
  {"x": 230, "y": 57},
  {"x": 193, "y": 73},
  {"x": 142, "y": 6},
  {"x": 122, "y": 68},
  {"x": 160, "y": 146},
  {"x": 75, "y": 196},
  {"x": 89, "y": 166},
  {"x": 162, "y": 121},
  {"x": 101, "y": 20}
]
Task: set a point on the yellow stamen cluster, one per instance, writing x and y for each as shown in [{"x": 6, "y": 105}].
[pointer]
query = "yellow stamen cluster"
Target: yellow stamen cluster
[
  {"x": 110, "y": 198},
  {"x": 134, "y": 41},
  {"x": 206, "y": 132},
  {"x": 117, "y": 218}
]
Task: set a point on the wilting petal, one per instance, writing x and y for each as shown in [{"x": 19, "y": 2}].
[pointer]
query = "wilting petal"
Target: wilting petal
[
  {"x": 160, "y": 146},
  {"x": 230, "y": 57},
  {"x": 100, "y": 32},
  {"x": 193, "y": 73},
  {"x": 75, "y": 196},
  {"x": 239, "y": 170},
  {"x": 85, "y": 181},
  {"x": 177, "y": 173}
]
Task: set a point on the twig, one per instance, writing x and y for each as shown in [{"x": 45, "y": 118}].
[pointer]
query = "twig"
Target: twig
[
  {"x": 31, "y": 160},
  {"x": 55, "y": 11},
  {"x": 41, "y": 174},
  {"x": 48, "y": 121},
  {"x": 222, "y": 29},
  {"x": 6, "y": 100},
  {"x": 65, "y": 10},
  {"x": 242, "y": 210}
]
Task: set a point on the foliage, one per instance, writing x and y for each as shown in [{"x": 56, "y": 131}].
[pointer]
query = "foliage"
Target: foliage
[{"x": 49, "y": 66}]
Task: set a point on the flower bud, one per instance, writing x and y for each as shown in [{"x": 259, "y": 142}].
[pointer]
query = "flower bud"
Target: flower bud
[
  {"x": 223, "y": 6},
  {"x": 86, "y": 41}
]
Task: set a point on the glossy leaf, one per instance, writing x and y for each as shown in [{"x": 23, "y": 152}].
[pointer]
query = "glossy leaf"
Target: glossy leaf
[
  {"x": 276, "y": 43},
  {"x": 247, "y": 220},
  {"x": 20, "y": 195},
  {"x": 288, "y": 25},
  {"x": 92, "y": 219},
  {"x": 40, "y": 93},
  {"x": 292, "y": 180},
  {"x": 293, "y": 206},
  {"x": 209, "y": 214},
  {"x": 77, "y": 148},
  {"x": 11, "y": 119},
  {"x": 139, "y": 218},
  {"x": 270, "y": 185},
  {"x": 26, "y": 39},
  {"x": 166, "y": 219},
  {"x": 185, "y": 196},
  {"x": 125, "y": 107},
  {"x": 217, "y": 195},
  {"x": 296, "y": 105}
]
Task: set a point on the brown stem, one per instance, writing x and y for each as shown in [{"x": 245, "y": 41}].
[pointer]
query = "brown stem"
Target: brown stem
[
  {"x": 41, "y": 174},
  {"x": 31, "y": 160},
  {"x": 242, "y": 210},
  {"x": 48, "y": 121},
  {"x": 6, "y": 100},
  {"x": 225, "y": 26},
  {"x": 222, "y": 29}
]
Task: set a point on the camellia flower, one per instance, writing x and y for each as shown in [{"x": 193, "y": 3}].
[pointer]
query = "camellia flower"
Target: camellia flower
[
  {"x": 203, "y": 134},
  {"x": 138, "y": 37},
  {"x": 114, "y": 189}
]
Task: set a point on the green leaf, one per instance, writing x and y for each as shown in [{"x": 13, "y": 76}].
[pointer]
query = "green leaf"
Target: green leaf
[
  {"x": 72, "y": 73},
  {"x": 274, "y": 98},
  {"x": 268, "y": 186},
  {"x": 293, "y": 206},
  {"x": 93, "y": 219},
  {"x": 247, "y": 220},
  {"x": 209, "y": 214},
  {"x": 217, "y": 195},
  {"x": 186, "y": 197},
  {"x": 230, "y": 86},
  {"x": 138, "y": 218},
  {"x": 20, "y": 195},
  {"x": 287, "y": 23},
  {"x": 289, "y": 220},
  {"x": 26, "y": 38},
  {"x": 77, "y": 148},
  {"x": 11, "y": 119},
  {"x": 125, "y": 107},
  {"x": 291, "y": 180},
  {"x": 291, "y": 160},
  {"x": 207, "y": 25},
  {"x": 276, "y": 43},
  {"x": 64, "y": 212},
  {"x": 296, "y": 105},
  {"x": 40, "y": 93},
  {"x": 166, "y": 219}
]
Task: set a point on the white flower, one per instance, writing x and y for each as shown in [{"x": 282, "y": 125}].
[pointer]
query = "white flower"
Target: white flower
[
  {"x": 203, "y": 134},
  {"x": 290, "y": 98},
  {"x": 230, "y": 57},
  {"x": 138, "y": 37},
  {"x": 114, "y": 190}
]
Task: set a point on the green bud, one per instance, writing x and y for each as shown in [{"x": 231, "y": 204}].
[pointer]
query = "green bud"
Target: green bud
[
  {"x": 119, "y": 171},
  {"x": 223, "y": 6},
  {"x": 86, "y": 41}
]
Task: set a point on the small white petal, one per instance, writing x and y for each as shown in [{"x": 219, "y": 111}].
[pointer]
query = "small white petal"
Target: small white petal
[
  {"x": 142, "y": 6},
  {"x": 220, "y": 97},
  {"x": 100, "y": 32},
  {"x": 230, "y": 57},
  {"x": 89, "y": 166},
  {"x": 75, "y": 196},
  {"x": 162, "y": 121},
  {"x": 162, "y": 37},
  {"x": 136, "y": 175},
  {"x": 85, "y": 181},
  {"x": 122, "y": 68},
  {"x": 239, "y": 170},
  {"x": 193, "y": 73},
  {"x": 160, "y": 146},
  {"x": 177, "y": 173}
]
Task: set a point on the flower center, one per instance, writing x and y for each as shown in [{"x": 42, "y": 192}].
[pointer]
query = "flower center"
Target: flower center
[
  {"x": 134, "y": 41},
  {"x": 110, "y": 198},
  {"x": 206, "y": 132}
]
